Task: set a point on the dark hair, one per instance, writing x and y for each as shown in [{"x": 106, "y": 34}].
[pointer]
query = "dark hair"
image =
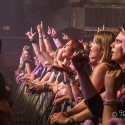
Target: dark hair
[
  {"x": 31, "y": 53},
  {"x": 0, "y": 44},
  {"x": 124, "y": 25},
  {"x": 76, "y": 45},
  {"x": 2, "y": 87}
]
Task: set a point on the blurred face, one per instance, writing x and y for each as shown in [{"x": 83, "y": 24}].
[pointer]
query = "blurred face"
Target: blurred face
[
  {"x": 95, "y": 52},
  {"x": 37, "y": 62},
  {"x": 26, "y": 55},
  {"x": 117, "y": 52},
  {"x": 67, "y": 50}
]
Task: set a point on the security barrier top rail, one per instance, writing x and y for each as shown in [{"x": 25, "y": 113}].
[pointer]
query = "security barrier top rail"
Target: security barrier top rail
[{"x": 29, "y": 109}]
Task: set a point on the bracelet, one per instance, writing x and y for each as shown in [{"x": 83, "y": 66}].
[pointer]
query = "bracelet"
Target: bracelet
[
  {"x": 71, "y": 120},
  {"x": 47, "y": 87},
  {"x": 75, "y": 118},
  {"x": 71, "y": 74},
  {"x": 74, "y": 84},
  {"x": 110, "y": 102},
  {"x": 40, "y": 38},
  {"x": 55, "y": 37},
  {"x": 66, "y": 81},
  {"x": 33, "y": 40}
]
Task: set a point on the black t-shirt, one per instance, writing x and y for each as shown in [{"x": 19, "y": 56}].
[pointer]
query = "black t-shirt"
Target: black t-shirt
[
  {"x": 31, "y": 63},
  {"x": 2, "y": 86}
]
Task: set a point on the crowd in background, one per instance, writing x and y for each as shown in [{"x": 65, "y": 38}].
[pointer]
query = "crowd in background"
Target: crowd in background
[{"x": 91, "y": 74}]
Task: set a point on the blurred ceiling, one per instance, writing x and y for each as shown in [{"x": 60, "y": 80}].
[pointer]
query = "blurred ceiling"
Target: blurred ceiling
[{"x": 85, "y": 15}]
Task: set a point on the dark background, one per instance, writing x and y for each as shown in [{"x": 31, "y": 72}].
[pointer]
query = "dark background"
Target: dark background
[{"x": 20, "y": 15}]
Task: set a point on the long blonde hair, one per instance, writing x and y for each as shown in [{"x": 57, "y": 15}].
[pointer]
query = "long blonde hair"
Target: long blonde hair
[{"x": 104, "y": 39}]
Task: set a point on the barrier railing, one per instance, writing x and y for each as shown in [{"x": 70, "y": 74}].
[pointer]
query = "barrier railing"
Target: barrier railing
[{"x": 29, "y": 109}]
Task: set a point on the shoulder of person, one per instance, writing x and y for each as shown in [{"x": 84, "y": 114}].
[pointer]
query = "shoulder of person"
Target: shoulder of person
[{"x": 102, "y": 67}]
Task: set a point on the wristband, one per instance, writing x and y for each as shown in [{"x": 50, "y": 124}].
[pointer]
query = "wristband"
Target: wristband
[
  {"x": 55, "y": 37},
  {"x": 66, "y": 81},
  {"x": 47, "y": 87},
  {"x": 74, "y": 84},
  {"x": 33, "y": 40},
  {"x": 75, "y": 118},
  {"x": 110, "y": 102},
  {"x": 71, "y": 74}
]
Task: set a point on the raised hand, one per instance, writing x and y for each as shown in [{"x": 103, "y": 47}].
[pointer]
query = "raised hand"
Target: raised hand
[
  {"x": 114, "y": 80},
  {"x": 30, "y": 34},
  {"x": 81, "y": 41},
  {"x": 65, "y": 37},
  {"x": 26, "y": 47},
  {"x": 63, "y": 68},
  {"x": 37, "y": 87},
  {"x": 54, "y": 33},
  {"x": 40, "y": 28},
  {"x": 115, "y": 121},
  {"x": 99, "y": 29},
  {"x": 80, "y": 60},
  {"x": 49, "y": 31}
]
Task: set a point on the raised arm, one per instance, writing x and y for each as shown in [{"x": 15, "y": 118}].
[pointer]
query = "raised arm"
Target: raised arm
[
  {"x": 80, "y": 60},
  {"x": 46, "y": 40},
  {"x": 52, "y": 32},
  {"x": 36, "y": 48},
  {"x": 113, "y": 81},
  {"x": 42, "y": 45}
]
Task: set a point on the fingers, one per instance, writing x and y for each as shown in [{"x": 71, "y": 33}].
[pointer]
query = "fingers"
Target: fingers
[
  {"x": 41, "y": 24},
  {"x": 103, "y": 27},
  {"x": 118, "y": 73},
  {"x": 34, "y": 34},
  {"x": 65, "y": 66},
  {"x": 63, "y": 34},
  {"x": 31, "y": 30},
  {"x": 98, "y": 30},
  {"x": 77, "y": 56},
  {"x": 114, "y": 121},
  {"x": 28, "y": 33},
  {"x": 53, "y": 29},
  {"x": 48, "y": 28}
]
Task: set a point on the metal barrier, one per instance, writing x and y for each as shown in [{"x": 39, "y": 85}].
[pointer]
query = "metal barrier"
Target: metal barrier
[{"x": 29, "y": 109}]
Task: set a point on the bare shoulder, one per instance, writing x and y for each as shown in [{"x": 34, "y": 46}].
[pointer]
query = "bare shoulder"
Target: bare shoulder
[{"x": 101, "y": 68}]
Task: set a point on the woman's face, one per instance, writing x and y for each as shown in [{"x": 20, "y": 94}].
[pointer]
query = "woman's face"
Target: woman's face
[
  {"x": 117, "y": 51},
  {"x": 95, "y": 52},
  {"x": 37, "y": 61},
  {"x": 26, "y": 55},
  {"x": 67, "y": 50}
]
